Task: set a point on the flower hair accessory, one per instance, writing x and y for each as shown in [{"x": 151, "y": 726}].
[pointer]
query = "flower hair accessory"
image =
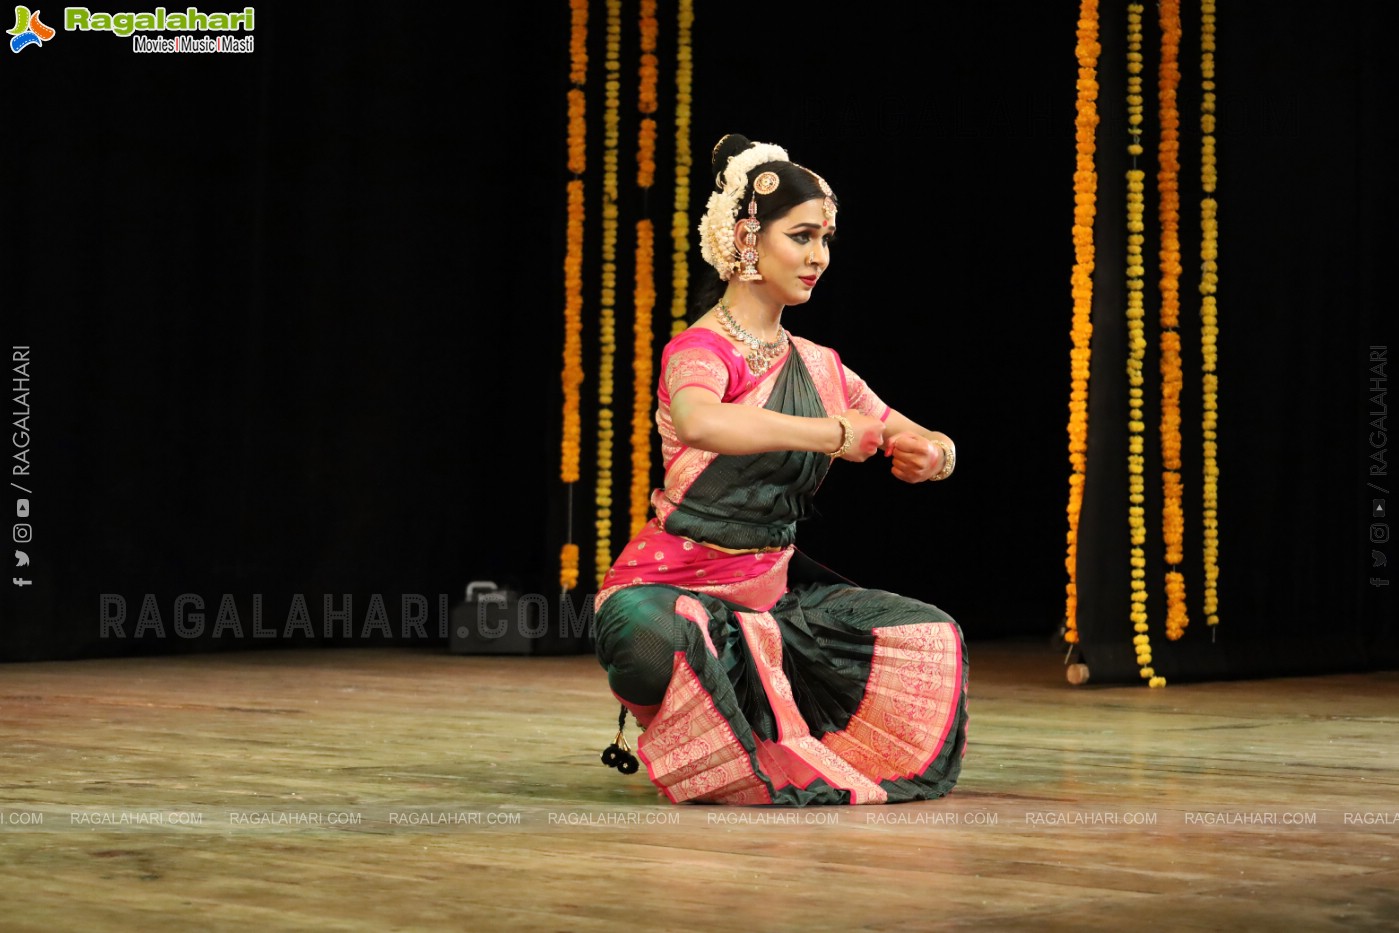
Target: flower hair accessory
[{"x": 716, "y": 228}]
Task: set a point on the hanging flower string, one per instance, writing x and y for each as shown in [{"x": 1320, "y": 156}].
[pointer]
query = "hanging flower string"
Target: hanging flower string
[
  {"x": 578, "y": 42},
  {"x": 1168, "y": 184},
  {"x": 680, "y": 223},
  {"x": 643, "y": 374},
  {"x": 573, "y": 277},
  {"x": 645, "y": 294},
  {"x": 1085, "y": 195},
  {"x": 646, "y": 154},
  {"x": 607, "y": 318},
  {"x": 1136, "y": 347},
  {"x": 646, "y": 97},
  {"x": 1209, "y": 314}
]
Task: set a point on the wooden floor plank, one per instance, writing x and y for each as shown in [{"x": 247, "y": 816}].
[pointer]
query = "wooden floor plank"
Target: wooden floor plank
[{"x": 408, "y": 789}]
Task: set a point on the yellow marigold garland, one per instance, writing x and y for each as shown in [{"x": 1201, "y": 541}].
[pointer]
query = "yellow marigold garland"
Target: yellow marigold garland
[
  {"x": 1209, "y": 314},
  {"x": 1136, "y": 344},
  {"x": 643, "y": 374},
  {"x": 1085, "y": 195},
  {"x": 680, "y": 224},
  {"x": 607, "y": 321},
  {"x": 1168, "y": 184},
  {"x": 572, "y": 375}
]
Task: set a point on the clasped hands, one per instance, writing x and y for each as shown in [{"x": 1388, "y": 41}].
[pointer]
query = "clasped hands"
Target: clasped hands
[{"x": 915, "y": 458}]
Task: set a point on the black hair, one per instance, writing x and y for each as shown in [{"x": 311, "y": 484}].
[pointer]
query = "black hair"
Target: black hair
[{"x": 796, "y": 185}]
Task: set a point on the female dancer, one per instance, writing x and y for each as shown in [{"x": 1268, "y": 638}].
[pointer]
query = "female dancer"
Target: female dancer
[{"x": 758, "y": 676}]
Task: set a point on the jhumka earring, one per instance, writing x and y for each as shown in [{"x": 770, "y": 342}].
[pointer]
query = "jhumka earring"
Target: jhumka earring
[
  {"x": 749, "y": 255},
  {"x": 764, "y": 184}
]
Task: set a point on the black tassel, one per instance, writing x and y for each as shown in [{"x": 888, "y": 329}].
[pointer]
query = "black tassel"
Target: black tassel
[{"x": 618, "y": 755}]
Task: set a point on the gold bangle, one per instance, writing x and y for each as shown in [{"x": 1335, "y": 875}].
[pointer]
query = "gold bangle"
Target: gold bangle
[
  {"x": 848, "y": 440},
  {"x": 949, "y": 460}
]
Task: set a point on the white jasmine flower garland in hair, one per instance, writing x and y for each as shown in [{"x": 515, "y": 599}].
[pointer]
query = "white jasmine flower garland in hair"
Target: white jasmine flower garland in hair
[{"x": 721, "y": 213}]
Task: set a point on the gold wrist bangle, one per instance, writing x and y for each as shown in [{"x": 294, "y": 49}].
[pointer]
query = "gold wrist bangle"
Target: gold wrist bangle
[
  {"x": 847, "y": 441},
  {"x": 949, "y": 460}
]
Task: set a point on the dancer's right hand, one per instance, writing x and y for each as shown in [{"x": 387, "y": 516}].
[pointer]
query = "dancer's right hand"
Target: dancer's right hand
[{"x": 869, "y": 436}]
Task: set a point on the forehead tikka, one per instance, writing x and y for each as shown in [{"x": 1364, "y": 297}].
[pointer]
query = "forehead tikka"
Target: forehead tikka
[{"x": 828, "y": 206}]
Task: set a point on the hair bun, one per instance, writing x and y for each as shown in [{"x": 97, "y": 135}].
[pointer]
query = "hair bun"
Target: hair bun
[{"x": 724, "y": 150}]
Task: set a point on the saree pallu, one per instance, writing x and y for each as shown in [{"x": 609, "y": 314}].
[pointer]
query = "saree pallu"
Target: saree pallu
[{"x": 780, "y": 682}]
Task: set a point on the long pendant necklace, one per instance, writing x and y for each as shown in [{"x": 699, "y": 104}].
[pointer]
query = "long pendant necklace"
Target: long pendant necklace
[{"x": 764, "y": 352}]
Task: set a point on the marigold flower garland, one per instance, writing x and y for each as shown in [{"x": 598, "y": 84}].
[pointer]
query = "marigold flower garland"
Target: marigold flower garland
[
  {"x": 1085, "y": 194},
  {"x": 1136, "y": 347},
  {"x": 1168, "y": 185},
  {"x": 646, "y": 154},
  {"x": 643, "y": 374},
  {"x": 680, "y": 218},
  {"x": 646, "y": 97},
  {"x": 645, "y": 294},
  {"x": 1209, "y": 314},
  {"x": 573, "y": 278},
  {"x": 578, "y": 42},
  {"x": 607, "y": 318}
]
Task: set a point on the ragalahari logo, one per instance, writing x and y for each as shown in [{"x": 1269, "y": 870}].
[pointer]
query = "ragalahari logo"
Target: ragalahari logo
[{"x": 29, "y": 30}]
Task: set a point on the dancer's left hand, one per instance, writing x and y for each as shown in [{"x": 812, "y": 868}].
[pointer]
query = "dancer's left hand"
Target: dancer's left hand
[{"x": 916, "y": 459}]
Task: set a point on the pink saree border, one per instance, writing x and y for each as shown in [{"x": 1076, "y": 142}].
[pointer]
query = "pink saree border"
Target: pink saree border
[
  {"x": 906, "y": 714},
  {"x": 793, "y": 736},
  {"x": 691, "y": 752}
]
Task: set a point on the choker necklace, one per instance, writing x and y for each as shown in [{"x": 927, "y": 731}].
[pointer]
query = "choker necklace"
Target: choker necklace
[{"x": 763, "y": 351}]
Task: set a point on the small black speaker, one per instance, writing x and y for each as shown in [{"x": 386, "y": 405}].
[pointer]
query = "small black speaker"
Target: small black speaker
[
  {"x": 495, "y": 621},
  {"x": 491, "y": 620}
]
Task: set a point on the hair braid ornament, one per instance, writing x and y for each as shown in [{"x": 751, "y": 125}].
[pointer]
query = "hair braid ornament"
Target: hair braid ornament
[{"x": 716, "y": 228}]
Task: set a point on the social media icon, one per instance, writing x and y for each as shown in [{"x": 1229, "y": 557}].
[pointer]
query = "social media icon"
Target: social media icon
[
  {"x": 1377, "y": 508},
  {"x": 1379, "y": 533},
  {"x": 23, "y": 533},
  {"x": 21, "y": 559},
  {"x": 21, "y": 508},
  {"x": 1377, "y": 558},
  {"x": 1378, "y": 581}
]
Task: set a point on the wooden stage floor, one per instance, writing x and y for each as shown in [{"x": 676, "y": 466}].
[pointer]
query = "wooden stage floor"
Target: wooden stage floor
[{"x": 406, "y": 789}]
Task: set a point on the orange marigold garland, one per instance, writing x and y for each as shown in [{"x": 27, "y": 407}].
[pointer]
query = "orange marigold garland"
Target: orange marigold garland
[
  {"x": 572, "y": 375},
  {"x": 1136, "y": 344},
  {"x": 1209, "y": 314},
  {"x": 1085, "y": 195},
  {"x": 680, "y": 223},
  {"x": 646, "y": 154},
  {"x": 607, "y": 318},
  {"x": 578, "y": 42},
  {"x": 643, "y": 374},
  {"x": 1168, "y": 184},
  {"x": 646, "y": 97},
  {"x": 645, "y": 295},
  {"x": 650, "y": 65},
  {"x": 573, "y": 333}
]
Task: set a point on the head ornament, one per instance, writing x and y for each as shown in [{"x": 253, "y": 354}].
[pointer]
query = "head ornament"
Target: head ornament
[{"x": 716, "y": 228}]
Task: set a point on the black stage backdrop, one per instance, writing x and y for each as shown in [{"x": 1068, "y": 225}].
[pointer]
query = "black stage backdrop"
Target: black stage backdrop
[{"x": 293, "y": 318}]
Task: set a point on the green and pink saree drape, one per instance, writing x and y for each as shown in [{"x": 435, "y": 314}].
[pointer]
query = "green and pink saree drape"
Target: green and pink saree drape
[{"x": 761, "y": 678}]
